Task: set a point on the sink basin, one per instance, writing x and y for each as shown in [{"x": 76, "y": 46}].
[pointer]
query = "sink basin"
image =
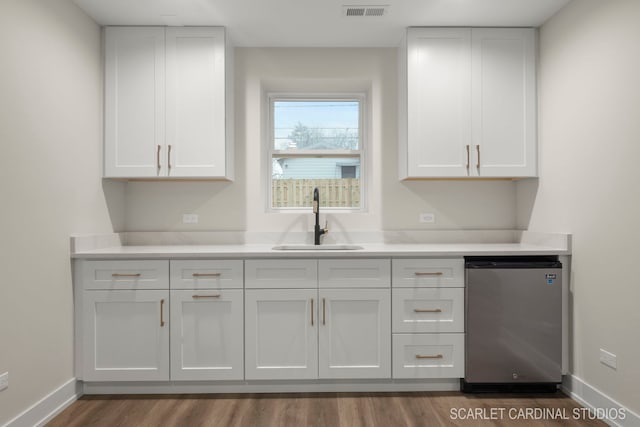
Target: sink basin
[{"x": 317, "y": 247}]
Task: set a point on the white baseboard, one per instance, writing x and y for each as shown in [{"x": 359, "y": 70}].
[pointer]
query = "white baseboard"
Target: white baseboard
[
  {"x": 48, "y": 407},
  {"x": 595, "y": 400},
  {"x": 316, "y": 386}
]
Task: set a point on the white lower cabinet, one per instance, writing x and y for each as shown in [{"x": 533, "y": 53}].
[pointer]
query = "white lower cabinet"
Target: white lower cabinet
[
  {"x": 335, "y": 332},
  {"x": 206, "y": 335},
  {"x": 281, "y": 340},
  {"x": 126, "y": 335},
  {"x": 428, "y": 318},
  {"x": 354, "y": 333},
  {"x": 212, "y": 320}
]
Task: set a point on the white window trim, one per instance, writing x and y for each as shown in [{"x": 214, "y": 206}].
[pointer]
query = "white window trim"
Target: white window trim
[{"x": 361, "y": 152}]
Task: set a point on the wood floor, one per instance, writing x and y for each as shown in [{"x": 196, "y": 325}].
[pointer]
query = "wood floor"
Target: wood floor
[{"x": 325, "y": 409}]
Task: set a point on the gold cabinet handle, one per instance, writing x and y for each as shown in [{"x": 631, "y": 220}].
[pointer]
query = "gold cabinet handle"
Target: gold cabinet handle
[
  {"x": 126, "y": 275},
  {"x": 429, "y": 356},
  {"x": 158, "y": 157},
  {"x": 205, "y": 296},
  {"x": 311, "y": 311},
  {"x": 207, "y": 274},
  {"x": 428, "y": 273},
  {"x": 324, "y": 312},
  {"x": 435, "y": 310},
  {"x": 162, "y": 313},
  {"x": 169, "y": 156},
  {"x": 467, "y": 157},
  {"x": 478, "y": 163}
]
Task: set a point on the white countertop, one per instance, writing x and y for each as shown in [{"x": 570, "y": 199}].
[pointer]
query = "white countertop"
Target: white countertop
[{"x": 267, "y": 251}]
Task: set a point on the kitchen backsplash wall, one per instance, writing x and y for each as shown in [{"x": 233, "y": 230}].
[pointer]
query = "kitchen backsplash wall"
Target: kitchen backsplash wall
[{"x": 392, "y": 205}]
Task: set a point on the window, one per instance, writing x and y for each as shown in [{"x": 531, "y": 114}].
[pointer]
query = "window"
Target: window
[
  {"x": 316, "y": 141},
  {"x": 348, "y": 171}
]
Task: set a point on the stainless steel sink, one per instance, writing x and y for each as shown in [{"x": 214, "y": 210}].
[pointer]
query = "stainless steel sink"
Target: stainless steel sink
[{"x": 317, "y": 247}]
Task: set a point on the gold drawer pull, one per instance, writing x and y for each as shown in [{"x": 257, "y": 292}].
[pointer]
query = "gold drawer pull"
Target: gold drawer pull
[
  {"x": 324, "y": 312},
  {"x": 436, "y": 356},
  {"x": 126, "y": 275},
  {"x": 467, "y": 158},
  {"x": 205, "y": 296},
  {"x": 429, "y": 273},
  {"x": 207, "y": 274},
  {"x": 162, "y": 313},
  {"x": 435, "y": 310}
]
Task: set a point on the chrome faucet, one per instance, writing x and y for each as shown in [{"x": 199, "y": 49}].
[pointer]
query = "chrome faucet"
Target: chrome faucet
[{"x": 316, "y": 210}]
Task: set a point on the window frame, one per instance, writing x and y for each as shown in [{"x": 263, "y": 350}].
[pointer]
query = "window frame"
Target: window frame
[{"x": 272, "y": 153}]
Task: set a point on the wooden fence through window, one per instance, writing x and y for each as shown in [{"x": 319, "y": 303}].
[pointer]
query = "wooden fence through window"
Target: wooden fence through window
[{"x": 294, "y": 193}]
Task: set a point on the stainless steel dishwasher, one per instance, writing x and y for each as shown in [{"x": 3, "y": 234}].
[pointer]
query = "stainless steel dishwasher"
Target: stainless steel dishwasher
[{"x": 513, "y": 324}]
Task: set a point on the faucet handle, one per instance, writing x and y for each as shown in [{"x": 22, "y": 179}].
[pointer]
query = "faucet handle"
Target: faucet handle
[{"x": 326, "y": 226}]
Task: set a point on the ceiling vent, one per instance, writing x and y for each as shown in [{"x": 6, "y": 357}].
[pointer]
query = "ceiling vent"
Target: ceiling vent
[{"x": 360, "y": 10}]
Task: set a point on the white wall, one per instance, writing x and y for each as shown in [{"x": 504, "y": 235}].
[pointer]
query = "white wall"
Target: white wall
[
  {"x": 392, "y": 205},
  {"x": 589, "y": 93},
  {"x": 50, "y": 187}
]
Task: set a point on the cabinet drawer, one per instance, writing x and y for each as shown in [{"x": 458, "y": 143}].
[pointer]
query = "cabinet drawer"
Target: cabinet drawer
[
  {"x": 428, "y": 309},
  {"x": 428, "y": 355},
  {"x": 206, "y": 274},
  {"x": 354, "y": 273},
  {"x": 428, "y": 272},
  {"x": 138, "y": 274},
  {"x": 281, "y": 274}
]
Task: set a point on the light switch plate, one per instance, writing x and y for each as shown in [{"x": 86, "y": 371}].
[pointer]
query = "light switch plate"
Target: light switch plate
[
  {"x": 4, "y": 381},
  {"x": 190, "y": 218},
  {"x": 427, "y": 217},
  {"x": 608, "y": 359}
]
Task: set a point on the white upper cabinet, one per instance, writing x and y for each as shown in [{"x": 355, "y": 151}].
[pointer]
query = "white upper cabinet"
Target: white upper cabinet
[
  {"x": 195, "y": 116},
  {"x": 467, "y": 103},
  {"x": 166, "y": 110},
  {"x": 504, "y": 102},
  {"x": 134, "y": 101},
  {"x": 439, "y": 100}
]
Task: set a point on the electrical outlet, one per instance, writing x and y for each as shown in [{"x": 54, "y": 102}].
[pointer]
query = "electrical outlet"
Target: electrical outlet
[
  {"x": 189, "y": 218},
  {"x": 428, "y": 218},
  {"x": 608, "y": 359},
  {"x": 4, "y": 381}
]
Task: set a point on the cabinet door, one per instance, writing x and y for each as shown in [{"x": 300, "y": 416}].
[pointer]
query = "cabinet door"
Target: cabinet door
[
  {"x": 504, "y": 104},
  {"x": 206, "y": 335},
  {"x": 126, "y": 335},
  {"x": 281, "y": 340},
  {"x": 195, "y": 102},
  {"x": 355, "y": 333},
  {"x": 134, "y": 102},
  {"x": 439, "y": 100}
]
